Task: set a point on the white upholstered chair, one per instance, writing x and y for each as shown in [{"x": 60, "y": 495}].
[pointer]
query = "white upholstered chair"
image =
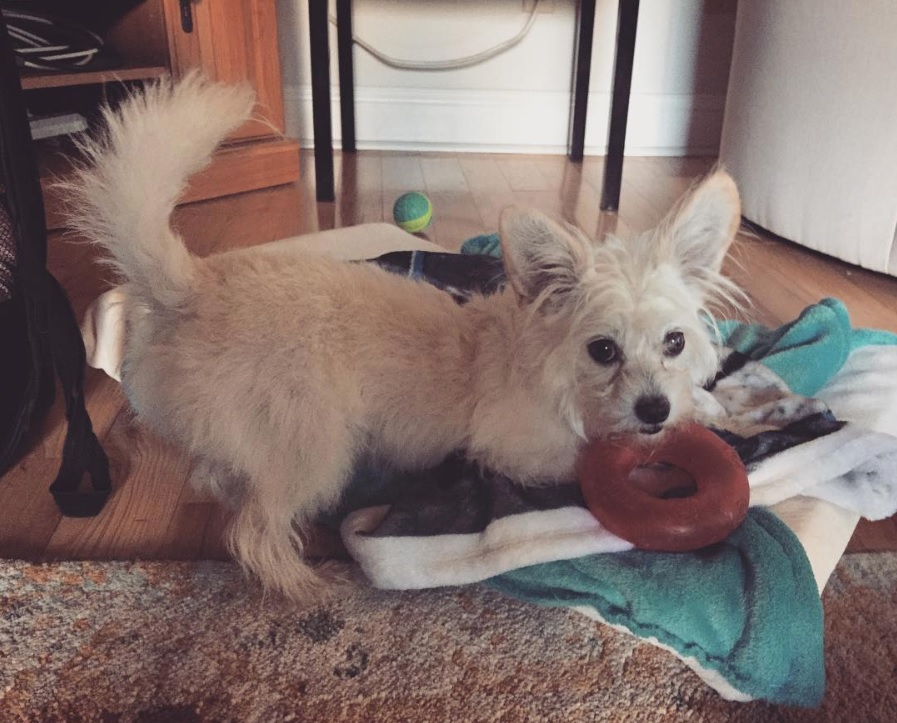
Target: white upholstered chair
[{"x": 810, "y": 130}]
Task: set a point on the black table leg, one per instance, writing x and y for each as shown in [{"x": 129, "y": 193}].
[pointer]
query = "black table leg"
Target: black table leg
[
  {"x": 346, "y": 73},
  {"x": 627, "y": 22},
  {"x": 582, "y": 74},
  {"x": 320, "y": 93}
]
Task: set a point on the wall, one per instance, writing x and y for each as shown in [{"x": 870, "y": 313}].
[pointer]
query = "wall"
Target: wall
[{"x": 520, "y": 100}]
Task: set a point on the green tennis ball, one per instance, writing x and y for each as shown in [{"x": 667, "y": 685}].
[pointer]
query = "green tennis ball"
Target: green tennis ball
[{"x": 412, "y": 211}]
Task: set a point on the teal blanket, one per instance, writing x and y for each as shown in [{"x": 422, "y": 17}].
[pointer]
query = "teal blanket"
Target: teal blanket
[
  {"x": 810, "y": 350},
  {"x": 747, "y": 609}
]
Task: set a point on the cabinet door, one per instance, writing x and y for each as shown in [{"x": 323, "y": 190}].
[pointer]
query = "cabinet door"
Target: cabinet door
[{"x": 231, "y": 40}]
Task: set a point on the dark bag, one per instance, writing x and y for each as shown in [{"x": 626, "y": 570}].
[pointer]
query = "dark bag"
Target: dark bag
[{"x": 39, "y": 336}]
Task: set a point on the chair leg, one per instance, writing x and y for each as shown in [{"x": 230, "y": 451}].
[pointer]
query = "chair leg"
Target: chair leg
[
  {"x": 627, "y": 22},
  {"x": 581, "y": 79},
  {"x": 346, "y": 74},
  {"x": 319, "y": 47}
]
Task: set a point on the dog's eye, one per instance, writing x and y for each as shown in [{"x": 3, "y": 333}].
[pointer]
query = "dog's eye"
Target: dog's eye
[
  {"x": 674, "y": 343},
  {"x": 604, "y": 351}
]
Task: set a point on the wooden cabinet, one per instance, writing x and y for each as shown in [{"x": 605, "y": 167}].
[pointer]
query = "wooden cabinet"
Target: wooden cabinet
[{"x": 230, "y": 40}]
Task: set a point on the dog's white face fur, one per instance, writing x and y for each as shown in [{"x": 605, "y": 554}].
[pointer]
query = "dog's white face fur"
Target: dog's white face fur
[
  {"x": 278, "y": 372},
  {"x": 623, "y": 324}
]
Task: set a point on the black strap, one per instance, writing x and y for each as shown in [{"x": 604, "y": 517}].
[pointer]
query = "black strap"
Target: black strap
[
  {"x": 50, "y": 314},
  {"x": 81, "y": 452}
]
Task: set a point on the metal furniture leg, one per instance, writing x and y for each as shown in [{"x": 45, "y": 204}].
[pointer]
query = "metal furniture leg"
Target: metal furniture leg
[
  {"x": 627, "y": 21},
  {"x": 319, "y": 47},
  {"x": 344, "y": 49},
  {"x": 582, "y": 73}
]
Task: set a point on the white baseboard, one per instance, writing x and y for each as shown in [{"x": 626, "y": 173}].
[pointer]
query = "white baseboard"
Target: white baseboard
[{"x": 512, "y": 121}]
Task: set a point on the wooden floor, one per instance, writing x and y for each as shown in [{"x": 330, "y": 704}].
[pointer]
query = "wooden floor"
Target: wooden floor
[{"x": 154, "y": 514}]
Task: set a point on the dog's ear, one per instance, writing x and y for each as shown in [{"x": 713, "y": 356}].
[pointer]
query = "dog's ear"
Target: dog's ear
[
  {"x": 542, "y": 258},
  {"x": 698, "y": 231}
]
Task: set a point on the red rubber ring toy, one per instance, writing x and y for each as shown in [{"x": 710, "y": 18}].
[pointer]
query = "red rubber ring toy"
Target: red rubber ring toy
[{"x": 717, "y": 507}]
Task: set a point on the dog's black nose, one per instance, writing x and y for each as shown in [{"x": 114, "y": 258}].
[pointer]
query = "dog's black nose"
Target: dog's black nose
[{"x": 653, "y": 409}]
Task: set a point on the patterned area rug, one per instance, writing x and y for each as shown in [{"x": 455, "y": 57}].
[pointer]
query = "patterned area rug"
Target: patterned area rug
[{"x": 194, "y": 642}]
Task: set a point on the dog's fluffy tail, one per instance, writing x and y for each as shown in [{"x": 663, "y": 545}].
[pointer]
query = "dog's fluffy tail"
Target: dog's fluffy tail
[{"x": 134, "y": 173}]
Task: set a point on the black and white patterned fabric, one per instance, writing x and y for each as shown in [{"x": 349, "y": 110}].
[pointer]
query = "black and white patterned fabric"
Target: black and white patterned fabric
[{"x": 7, "y": 254}]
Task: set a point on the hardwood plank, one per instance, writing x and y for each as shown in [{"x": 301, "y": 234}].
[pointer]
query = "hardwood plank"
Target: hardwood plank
[
  {"x": 676, "y": 175},
  {"x": 243, "y": 220},
  {"x": 315, "y": 216},
  {"x": 876, "y": 536},
  {"x": 610, "y": 224},
  {"x": 523, "y": 174},
  {"x": 639, "y": 210},
  {"x": 455, "y": 216},
  {"x": 28, "y": 514},
  {"x": 490, "y": 191},
  {"x": 195, "y": 530},
  {"x": 401, "y": 173},
  {"x": 362, "y": 196},
  {"x": 443, "y": 174},
  {"x": 571, "y": 196},
  {"x": 455, "y": 220},
  {"x": 557, "y": 170},
  {"x": 785, "y": 278},
  {"x": 149, "y": 481}
]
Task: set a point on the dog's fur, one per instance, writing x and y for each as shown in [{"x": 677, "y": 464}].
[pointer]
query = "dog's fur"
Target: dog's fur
[{"x": 277, "y": 375}]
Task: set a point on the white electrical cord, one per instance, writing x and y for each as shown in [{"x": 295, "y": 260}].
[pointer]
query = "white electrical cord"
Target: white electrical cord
[
  {"x": 47, "y": 55},
  {"x": 450, "y": 64}
]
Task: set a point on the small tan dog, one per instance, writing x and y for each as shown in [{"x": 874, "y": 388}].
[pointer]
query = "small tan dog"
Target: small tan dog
[{"x": 278, "y": 376}]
